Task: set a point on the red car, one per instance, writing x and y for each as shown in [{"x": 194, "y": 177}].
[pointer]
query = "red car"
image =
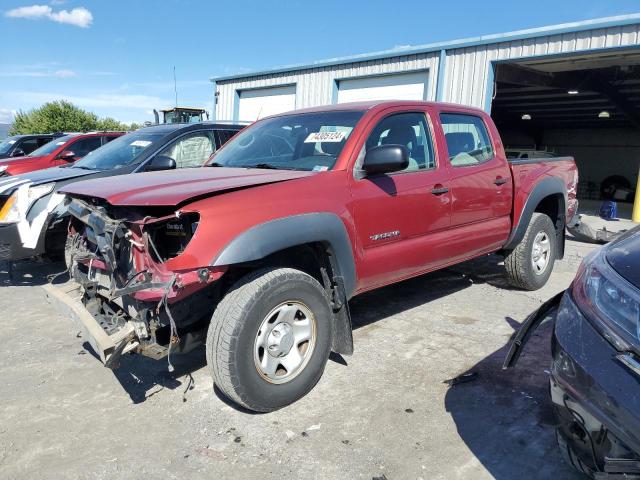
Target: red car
[
  {"x": 260, "y": 252},
  {"x": 60, "y": 151}
]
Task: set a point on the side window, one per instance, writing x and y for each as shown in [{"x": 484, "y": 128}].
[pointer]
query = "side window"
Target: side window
[
  {"x": 29, "y": 145},
  {"x": 224, "y": 136},
  {"x": 43, "y": 141},
  {"x": 84, "y": 146},
  {"x": 467, "y": 139},
  {"x": 409, "y": 130},
  {"x": 192, "y": 150},
  {"x": 106, "y": 139}
]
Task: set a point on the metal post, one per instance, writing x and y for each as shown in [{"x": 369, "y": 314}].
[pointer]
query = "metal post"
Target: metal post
[{"x": 635, "y": 216}]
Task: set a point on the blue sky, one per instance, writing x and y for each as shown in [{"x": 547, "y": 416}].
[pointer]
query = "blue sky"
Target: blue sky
[{"x": 116, "y": 58}]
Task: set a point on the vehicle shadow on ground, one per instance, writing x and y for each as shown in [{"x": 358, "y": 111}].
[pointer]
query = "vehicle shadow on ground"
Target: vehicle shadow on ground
[
  {"x": 421, "y": 290},
  {"x": 506, "y": 417},
  {"x": 31, "y": 272},
  {"x": 142, "y": 377}
]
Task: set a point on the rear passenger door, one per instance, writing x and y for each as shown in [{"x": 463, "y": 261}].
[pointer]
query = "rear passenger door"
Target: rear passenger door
[
  {"x": 480, "y": 184},
  {"x": 402, "y": 217}
]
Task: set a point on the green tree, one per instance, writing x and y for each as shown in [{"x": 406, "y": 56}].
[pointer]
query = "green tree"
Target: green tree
[{"x": 63, "y": 116}]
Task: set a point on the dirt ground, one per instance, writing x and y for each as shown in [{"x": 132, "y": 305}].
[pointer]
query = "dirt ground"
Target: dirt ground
[{"x": 383, "y": 413}]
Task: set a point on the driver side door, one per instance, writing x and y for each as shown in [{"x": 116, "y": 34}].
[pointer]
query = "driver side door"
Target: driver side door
[{"x": 402, "y": 217}]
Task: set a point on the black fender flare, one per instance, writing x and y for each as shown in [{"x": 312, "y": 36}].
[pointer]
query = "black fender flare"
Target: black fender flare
[
  {"x": 546, "y": 187},
  {"x": 262, "y": 240},
  {"x": 266, "y": 238}
]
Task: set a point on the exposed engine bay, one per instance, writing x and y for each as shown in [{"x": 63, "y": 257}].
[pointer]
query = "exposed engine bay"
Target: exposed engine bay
[{"x": 125, "y": 284}]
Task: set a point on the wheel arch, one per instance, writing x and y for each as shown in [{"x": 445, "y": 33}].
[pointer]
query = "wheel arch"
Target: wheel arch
[
  {"x": 322, "y": 235},
  {"x": 549, "y": 196}
]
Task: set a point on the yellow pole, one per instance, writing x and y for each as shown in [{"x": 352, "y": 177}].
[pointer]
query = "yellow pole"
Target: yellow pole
[{"x": 635, "y": 216}]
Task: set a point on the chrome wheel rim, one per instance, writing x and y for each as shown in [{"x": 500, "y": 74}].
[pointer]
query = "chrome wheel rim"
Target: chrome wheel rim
[
  {"x": 540, "y": 253},
  {"x": 285, "y": 342}
]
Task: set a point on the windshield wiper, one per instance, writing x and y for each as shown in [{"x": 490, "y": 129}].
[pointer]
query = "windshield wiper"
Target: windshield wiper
[
  {"x": 82, "y": 167},
  {"x": 268, "y": 166},
  {"x": 214, "y": 164}
]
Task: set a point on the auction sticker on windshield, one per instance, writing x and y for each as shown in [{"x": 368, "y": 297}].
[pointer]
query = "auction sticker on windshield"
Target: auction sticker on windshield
[
  {"x": 141, "y": 143},
  {"x": 325, "y": 137}
]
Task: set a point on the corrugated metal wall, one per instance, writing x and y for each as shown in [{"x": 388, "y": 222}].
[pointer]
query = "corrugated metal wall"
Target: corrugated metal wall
[
  {"x": 315, "y": 85},
  {"x": 467, "y": 69}
]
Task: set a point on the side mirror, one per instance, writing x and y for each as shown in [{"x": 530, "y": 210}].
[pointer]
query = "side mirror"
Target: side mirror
[
  {"x": 386, "y": 159},
  {"x": 18, "y": 152},
  {"x": 67, "y": 155},
  {"x": 161, "y": 162}
]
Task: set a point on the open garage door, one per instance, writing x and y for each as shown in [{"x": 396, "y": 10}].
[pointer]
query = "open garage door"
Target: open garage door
[
  {"x": 262, "y": 102},
  {"x": 402, "y": 86},
  {"x": 586, "y": 106}
]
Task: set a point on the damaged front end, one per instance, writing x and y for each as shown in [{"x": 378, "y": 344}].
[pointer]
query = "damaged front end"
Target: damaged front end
[{"x": 127, "y": 288}]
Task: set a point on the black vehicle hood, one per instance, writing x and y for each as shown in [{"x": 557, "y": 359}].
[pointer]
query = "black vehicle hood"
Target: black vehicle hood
[
  {"x": 624, "y": 256},
  {"x": 39, "y": 177}
]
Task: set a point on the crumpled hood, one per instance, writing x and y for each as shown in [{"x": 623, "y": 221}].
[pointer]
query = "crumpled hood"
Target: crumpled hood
[
  {"x": 39, "y": 177},
  {"x": 174, "y": 187}
]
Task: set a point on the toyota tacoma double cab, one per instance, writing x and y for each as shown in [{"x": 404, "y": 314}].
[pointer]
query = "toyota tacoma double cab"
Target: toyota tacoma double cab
[{"x": 258, "y": 254}]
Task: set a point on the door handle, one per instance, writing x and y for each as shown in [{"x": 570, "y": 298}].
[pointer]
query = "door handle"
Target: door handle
[
  {"x": 439, "y": 190},
  {"x": 500, "y": 181}
]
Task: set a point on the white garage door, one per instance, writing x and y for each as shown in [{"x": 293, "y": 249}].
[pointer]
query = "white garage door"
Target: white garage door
[
  {"x": 401, "y": 86},
  {"x": 262, "y": 102}
]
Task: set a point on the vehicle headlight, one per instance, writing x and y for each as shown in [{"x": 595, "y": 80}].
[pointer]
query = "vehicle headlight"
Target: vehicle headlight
[
  {"x": 609, "y": 300},
  {"x": 19, "y": 203}
]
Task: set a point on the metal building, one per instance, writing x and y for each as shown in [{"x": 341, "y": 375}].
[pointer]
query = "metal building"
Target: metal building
[{"x": 570, "y": 89}]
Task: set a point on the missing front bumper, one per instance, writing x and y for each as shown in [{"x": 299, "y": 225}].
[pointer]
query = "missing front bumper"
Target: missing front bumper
[{"x": 67, "y": 298}]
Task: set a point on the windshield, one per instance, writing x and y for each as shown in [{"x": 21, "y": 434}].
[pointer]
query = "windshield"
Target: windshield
[
  {"x": 47, "y": 148},
  {"x": 120, "y": 152},
  {"x": 7, "y": 143},
  {"x": 306, "y": 141}
]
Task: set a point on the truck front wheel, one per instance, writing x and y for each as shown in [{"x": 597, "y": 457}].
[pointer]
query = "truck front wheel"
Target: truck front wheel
[
  {"x": 529, "y": 265},
  {"x": 270, "y": 338}
]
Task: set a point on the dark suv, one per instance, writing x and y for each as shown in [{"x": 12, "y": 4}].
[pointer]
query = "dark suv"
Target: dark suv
[
  {"x": 33, "y": 219},
  {"x": 21, "y": 145}
]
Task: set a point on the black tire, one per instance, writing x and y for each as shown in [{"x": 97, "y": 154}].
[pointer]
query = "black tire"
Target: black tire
[
  {"x": 570, "y": 457},
  {"x": 518, "y": 263},
  {"x": 234, "y": 327}
]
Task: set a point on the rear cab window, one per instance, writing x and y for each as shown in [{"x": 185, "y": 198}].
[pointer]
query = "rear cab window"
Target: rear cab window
[{"x": 467, "y": 139}]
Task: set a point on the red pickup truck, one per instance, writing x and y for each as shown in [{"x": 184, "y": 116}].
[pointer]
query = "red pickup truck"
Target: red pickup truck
[{"x": 258, "y": 253}]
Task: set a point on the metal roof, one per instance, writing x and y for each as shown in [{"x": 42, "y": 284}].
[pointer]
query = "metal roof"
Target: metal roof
[{"x": 619, "y": 20}]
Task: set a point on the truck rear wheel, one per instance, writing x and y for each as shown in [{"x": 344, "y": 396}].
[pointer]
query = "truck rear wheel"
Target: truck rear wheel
[
  {"x": 529, "y": 265},
  {"x": 270, "y": 338}
]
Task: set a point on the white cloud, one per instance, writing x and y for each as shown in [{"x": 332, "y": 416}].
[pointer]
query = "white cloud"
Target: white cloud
[
  {"x": 39, "y": 73},
  {"x": 102, "y": 100},
  {"x": 79, "y": 17},
  {"x": 7, "y": 115}
]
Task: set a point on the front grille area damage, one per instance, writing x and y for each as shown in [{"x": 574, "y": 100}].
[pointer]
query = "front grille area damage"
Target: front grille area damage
[{"x": 119, "y": 257}]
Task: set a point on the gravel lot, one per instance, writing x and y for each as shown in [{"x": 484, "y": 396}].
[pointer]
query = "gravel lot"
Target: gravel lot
[{"x": 383, "y": 413}]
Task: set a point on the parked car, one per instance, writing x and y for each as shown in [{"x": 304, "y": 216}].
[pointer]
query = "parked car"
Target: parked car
[
  {"x": 22, "y": 145},
  {"x": 60, "y": 151},
  {"x": 595, "y": 371},
  {"x": 33, "y": 219},
  {"x": 297, "y": 214}
]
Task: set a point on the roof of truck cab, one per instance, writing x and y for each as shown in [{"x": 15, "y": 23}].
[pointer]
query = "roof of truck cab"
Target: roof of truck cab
[{"x": 371, "y": 104}]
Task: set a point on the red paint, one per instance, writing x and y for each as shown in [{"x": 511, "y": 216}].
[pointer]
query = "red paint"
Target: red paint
[
  {"x": 18, "y": 165},
  {"x": 475, "y": 217}
]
